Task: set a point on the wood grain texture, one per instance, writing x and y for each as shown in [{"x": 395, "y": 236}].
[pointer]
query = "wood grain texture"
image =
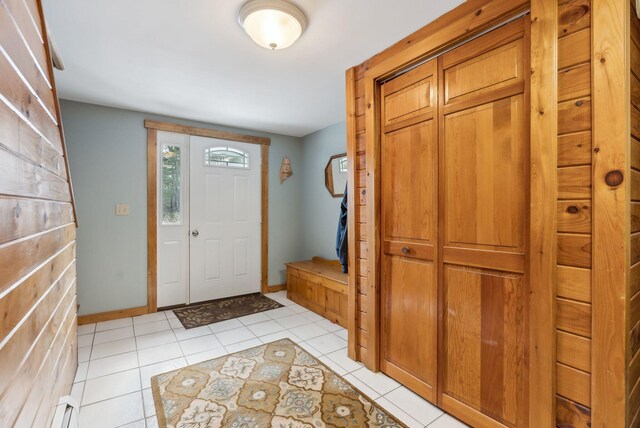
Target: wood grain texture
[
  {"x": 17, "y": 137},
  {"x": 22, "y": 58},
  {"x": 574, "y": 351},
  {"x": 571, "y": 414},
  {"x": 355, "y": 214},
  {"x": 112, "y": 315},
  {"x": 574, "y": 149},
  {"x": 574, "y": 182},
  {"x": 495, "y": 133},
  {"x": 37, "y": 238},
  {"x": 574, "y": 283},
  {"x": 21, "y": 217},
  {"x": 574, "y": 121},
  {"x": 152, "y": 220},
  {"x": 574, "y": 82},
  {"x": 462, "y": 22},
  {"x": 205, "y": 132},
  {"x": 546, "y": 149},
  {"x": 574, "y": 317},
  {"x": 573, "y": 15},
  {"x": 320, "y": 288},
  {"x": 574, "y": 216},
  {"x": 484, "y": 366},
  {"x": 264, "y": 218},
  {"x": 611, "y": 133},
  {"x": 574, "y": 49},
  {"x": 574, "y": 250},
  {"x": 574, "y": 385},
  {"x": 574, "y": 115}
]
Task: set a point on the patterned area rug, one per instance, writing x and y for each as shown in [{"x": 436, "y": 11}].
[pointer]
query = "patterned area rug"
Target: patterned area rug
[
  {"x": 276, "y": 385},
  {"x": 221, "y": 310}
]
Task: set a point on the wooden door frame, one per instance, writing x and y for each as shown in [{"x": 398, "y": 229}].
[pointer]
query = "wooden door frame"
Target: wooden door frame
[
  {"x": 469, "y": 19},
  {"x": 153, "y": 127}
]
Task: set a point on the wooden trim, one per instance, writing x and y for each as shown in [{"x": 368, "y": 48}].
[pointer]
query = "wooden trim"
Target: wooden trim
[
  {"x": 113, "y": 315},
  {"x": 352, "y": 310},
  {"x": 264, "y": 225},
  {"x": 205, "y": 132},
  {"x": 372, "y": 126},
  {"x": 54, "y": 89},
  {"x": 611, "y": 224},
  {"x": 543, "y": 216},
  {"x": 463, "y": 22},
  {"x": 152, "y": 201},
  {"x": 275, "y": 288},
  {"x": 152, "y": 220}
]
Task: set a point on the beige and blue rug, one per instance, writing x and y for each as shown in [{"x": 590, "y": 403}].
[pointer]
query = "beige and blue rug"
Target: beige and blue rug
[{"x": 276, "y": 385}]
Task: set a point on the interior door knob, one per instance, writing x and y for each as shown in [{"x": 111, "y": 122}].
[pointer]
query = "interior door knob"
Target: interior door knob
[{"x": 195, "y": 233}]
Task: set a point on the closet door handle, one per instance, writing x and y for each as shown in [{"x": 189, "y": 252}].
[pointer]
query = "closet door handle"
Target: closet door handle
[
  {"x": 405, "y": 250},
  {"x": 195, "y": 233}
]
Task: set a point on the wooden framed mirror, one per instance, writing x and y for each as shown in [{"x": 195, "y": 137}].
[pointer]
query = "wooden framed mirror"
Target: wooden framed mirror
[{"x": 335, "y": 175}]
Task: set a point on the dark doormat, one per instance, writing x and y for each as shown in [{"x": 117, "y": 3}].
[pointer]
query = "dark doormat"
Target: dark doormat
[{"x": 224, "y": 309}]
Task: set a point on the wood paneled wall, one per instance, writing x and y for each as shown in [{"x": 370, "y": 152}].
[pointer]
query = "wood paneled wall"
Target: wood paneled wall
[
  {"x": 38, "y": 354},
  {"x": 573, "y": 335},
  {"x": 587, "y": 281},
  {"x": 633, "y": 354},
  {"x": 358, "y": 228}
]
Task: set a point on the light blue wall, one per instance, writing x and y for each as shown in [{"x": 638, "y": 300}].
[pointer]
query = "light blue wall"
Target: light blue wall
[
  {"x": 320, "y": 210},
  {"x": 108, "y": 162}
]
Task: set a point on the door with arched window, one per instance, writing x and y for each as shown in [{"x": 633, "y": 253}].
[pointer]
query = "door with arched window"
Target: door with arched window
[{"x": 209, "y": 220}]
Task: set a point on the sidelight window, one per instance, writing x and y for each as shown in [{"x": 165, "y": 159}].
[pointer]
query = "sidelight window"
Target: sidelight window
[{"x": 171, "y": 185}]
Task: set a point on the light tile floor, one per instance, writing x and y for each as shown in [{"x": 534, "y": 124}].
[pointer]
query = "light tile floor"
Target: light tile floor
[{"x": 117, "y": 359}]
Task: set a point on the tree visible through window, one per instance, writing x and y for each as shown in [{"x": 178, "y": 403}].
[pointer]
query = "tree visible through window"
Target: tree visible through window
[
  {"x": 226, "y": 156},
  {"x": 171, "y": 185}
]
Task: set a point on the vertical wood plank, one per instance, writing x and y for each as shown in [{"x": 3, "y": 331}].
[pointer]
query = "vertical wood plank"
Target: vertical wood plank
[
  {"x": 372, "y": 120},
  {"x": 543, "y": 218},
  {"x": 611, "y": 130},
  {"x": 152, "y": 220},
  {"x": 352, "y": 312},
  {"x": 264, "y": 221}
]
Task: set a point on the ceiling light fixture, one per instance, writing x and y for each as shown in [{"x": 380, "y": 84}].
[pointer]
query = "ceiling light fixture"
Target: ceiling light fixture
[{"x": 272, "y": 24}]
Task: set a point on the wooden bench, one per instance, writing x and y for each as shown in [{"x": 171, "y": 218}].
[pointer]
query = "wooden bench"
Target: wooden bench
[{"x": 320, "y": 286}]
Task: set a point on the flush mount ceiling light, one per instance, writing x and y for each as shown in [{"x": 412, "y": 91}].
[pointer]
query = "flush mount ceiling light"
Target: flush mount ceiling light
[{"x": 273, "y": 24}]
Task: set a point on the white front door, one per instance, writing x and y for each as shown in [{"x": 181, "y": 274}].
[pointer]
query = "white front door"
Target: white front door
[
  {"x": 225, "y": 217},
  {"x": 209, "y": 218}
]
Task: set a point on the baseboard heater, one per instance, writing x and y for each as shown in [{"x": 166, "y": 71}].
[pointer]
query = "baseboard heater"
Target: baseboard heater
[{"x": 66, "y": 415}]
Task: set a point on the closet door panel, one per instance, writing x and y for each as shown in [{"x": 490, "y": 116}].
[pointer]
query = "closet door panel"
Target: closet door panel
[
  {"x": 483, "y": 340},
  {"x": 409, "y": 228},
  {"x": 485, "y": 73},
  {"x": 409, "y": 183},
  {"x": 484, "y": 146},
  {"x": 410, "y": 320},
  {"x": 484, "y": 176},
  {"x": 410, "y": 96}
]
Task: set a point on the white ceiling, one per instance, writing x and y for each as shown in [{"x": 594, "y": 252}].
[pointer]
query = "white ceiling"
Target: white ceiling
[{"x": 191, "y": 59}]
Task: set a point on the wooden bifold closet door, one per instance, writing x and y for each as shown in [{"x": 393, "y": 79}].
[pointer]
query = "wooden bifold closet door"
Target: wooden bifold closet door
[{"x": 454, "y": 195}]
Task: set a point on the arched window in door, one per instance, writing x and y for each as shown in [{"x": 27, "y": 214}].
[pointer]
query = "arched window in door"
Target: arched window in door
[{"x": 226, "y": 156}]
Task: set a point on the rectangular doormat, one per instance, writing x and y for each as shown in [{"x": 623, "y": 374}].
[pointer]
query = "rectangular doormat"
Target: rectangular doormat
[
  {"x": 224, "y": 309},
  {"x": 274, "y": 385}
]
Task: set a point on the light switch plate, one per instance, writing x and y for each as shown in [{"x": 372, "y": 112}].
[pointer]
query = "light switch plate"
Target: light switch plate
[{"x": 122, "y": 209}]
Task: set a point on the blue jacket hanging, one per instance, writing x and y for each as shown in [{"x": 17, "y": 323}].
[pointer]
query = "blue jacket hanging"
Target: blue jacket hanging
[{"x": 342, "y": 247}]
